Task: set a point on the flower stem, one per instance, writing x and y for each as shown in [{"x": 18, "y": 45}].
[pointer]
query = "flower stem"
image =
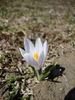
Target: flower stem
[{"x": 39, "y": 73}]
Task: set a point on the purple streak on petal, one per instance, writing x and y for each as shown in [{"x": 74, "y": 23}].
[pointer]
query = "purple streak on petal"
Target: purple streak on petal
[{"x": 41, "y": 60}]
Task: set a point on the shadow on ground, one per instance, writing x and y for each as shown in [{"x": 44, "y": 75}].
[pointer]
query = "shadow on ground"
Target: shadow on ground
[
  {"x": 56, "y": 71},
  {"x": 70, "y": 95}
]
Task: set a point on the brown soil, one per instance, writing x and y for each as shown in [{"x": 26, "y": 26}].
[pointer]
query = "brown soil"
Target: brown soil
[{"x": 57, "y": 90}]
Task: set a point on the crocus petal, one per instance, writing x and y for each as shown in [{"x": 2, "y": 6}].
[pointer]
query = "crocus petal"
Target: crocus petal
[
  {"x": 30, "y": 60},
  {"x": 45, "y": 48},
  {"x": 22, "y": 51},
  {"x": 28, "y": 45},
  {"x": 41, "y": 59},
  {"x": 38, "y": 46}
]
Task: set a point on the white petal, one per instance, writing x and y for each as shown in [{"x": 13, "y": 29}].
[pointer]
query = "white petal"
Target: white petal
[
  {"x": 28, "y": 45},
  {"x": 30, "y": 60},
  {"x": 38, "y": 46},
  {"x": 41, "y": 59},
  {"x": 22, "y": 51},
  {"x": 45, "y": 48}
]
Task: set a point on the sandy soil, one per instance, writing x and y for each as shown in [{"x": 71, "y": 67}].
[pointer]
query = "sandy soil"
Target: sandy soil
[{"x": 59, "y": 89}]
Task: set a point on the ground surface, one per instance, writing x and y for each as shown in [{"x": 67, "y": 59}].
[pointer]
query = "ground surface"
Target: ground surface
[
  {"x": 58, "y": 90},
  {"x": 51, "y": 20}
]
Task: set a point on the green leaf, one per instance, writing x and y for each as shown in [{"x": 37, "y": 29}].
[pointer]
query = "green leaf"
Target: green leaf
[
  {"x": 35, "y": 72},
  {"x": 54, "y": 65},
  {"x": 44, "y": 75},
  {"x": 13, "y": 94},
  {"x": 11, "y": 80},
  {"x": 15, "y": 79}
]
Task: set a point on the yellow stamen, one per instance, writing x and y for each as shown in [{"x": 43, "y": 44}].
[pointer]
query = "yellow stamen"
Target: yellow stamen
[{"x": 36, "y": 56}]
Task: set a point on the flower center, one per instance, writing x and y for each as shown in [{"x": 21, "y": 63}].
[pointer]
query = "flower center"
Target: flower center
[{"x": 36, "y": 56}]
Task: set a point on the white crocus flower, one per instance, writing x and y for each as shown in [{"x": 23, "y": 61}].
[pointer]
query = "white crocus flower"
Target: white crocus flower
[{"x": 34, "y": 55}]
